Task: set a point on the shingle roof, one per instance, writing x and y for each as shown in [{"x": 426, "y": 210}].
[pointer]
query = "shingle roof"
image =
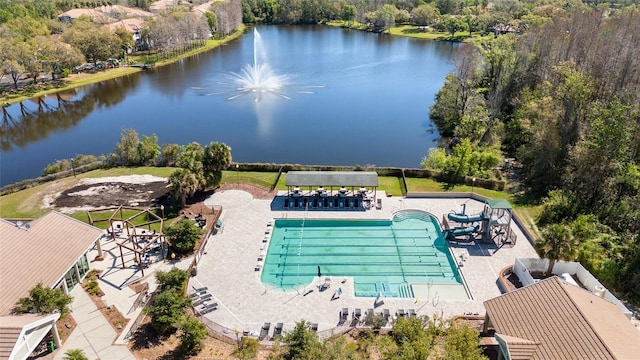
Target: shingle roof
[
  {"x": 43, "y": 252},
  {"x": 332, "y": 178},
  {"x": 568, "y": 321}
]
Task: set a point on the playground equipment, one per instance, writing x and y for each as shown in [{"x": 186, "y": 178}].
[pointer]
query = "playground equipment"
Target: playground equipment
[{"x": 493, "y": 224}]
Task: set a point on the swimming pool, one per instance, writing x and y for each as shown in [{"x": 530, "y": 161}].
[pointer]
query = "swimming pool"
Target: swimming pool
[{"x": 391, "y": 257}]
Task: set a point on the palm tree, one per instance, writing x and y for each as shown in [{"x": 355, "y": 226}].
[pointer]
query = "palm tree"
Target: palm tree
[
  {"x": 75, "y": 354},
  {"x": 184, "y": 183},
  {"x": 558, "y": 243}
]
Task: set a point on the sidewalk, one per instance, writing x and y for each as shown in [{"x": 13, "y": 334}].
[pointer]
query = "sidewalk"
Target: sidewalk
[{"x": 93, "y": 334}]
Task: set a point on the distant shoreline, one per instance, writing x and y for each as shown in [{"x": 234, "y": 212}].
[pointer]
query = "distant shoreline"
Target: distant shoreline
[{"x": 77, "y": 80}]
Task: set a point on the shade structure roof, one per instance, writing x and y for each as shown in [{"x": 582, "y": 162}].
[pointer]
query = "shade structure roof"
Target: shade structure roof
[
  {"x": 567, "y": 321},
  {"x": 332, "y": 178},
  {"x": 498, "y": 204}
]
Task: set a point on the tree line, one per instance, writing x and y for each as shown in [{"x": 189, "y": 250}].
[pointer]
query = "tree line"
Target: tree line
[
  {"x": 564, "y": 100},
  {"x": 34, "y": 41}
]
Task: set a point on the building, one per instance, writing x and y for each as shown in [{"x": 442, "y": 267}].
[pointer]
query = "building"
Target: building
[
  {"x": 51, "y": 250},
  {"x": 134, "y": 26},
  {"x": 554, "y": 319}
]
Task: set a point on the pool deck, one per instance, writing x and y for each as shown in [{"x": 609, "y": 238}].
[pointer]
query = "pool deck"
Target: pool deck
[{"x": 244, "y": 303}]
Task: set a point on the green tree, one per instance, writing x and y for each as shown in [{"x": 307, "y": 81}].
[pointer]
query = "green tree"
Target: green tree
[
  {"x": 190, "y": 158},
  {"x": 300, "y": 339},
  {"x": 184, "y": 183},
  {"x": 183, "y": 236},
  {"x": 169, "y": 154},
  {"x": 212, "y": 20},
  {"x": 44, "y": 300},
  {"x": 57, "y": 56},
  {"x": 127, "y": 149},
  {"x": 435, "y": 160},
  {"x": 173, "y": 279},
  {"x": 75, "y": 354},
  {"x": 557, "y": 243},
  {"x": 95, "y": 42},
  {"x": 461, "y": 342},
  {"x": 425, "y": 15},
  {"x": 193, "y": 335},
  {"x": 411, "y": 339},
  {"x": 166, "y": 311},
  {"x": 217, "y": 157},
  {"x": 125, "y": 38},
  {"x": 15, "y": 58},
  {"x": 270, "y": 11},
  {"x": 454, "y": 24},
  {"x": 148, "y": 149},
  {"x": 348, "y": 14}
]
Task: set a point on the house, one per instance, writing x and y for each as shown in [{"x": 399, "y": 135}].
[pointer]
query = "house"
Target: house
[
  {"x": 51, "y": 250},
  {"x": 134, "y": 26},
  {"x": 554, "y": 319}
]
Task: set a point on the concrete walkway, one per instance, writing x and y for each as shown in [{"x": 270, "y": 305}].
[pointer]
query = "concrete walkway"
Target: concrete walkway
[{"x": 93, "y": 334}]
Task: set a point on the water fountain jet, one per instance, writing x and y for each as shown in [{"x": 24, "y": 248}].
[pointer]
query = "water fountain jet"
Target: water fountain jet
[{"x": 258, "y": 79}]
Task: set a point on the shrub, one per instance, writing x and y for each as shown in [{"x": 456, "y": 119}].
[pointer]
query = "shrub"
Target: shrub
[
  {"x": 183, "y": 236},
  {"x": 247, "y": 349},
  {"x": 75, "y": 354},
  {"x": 92, "y": 287},
  {"x": 193, "y": 334},
  {"x": 166, "y": 312},
  {"x": 44, "y": 300},
  {"x": 172, "y": 279}
]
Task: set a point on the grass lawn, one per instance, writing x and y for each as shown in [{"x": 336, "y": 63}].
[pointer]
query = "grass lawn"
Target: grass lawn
[
  {"x": 126, "y": 213},
  {"x": 264, "y": 179}
]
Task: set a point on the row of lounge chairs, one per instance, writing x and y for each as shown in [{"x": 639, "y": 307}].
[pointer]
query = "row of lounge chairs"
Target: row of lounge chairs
[
  {"x": 326, "y": 203},
  {"x": 264, "y": 331},
  {"x": 357, "y": 317},
  {"x": 202, "y": 300},
  {"x": 263, "y": 248}
]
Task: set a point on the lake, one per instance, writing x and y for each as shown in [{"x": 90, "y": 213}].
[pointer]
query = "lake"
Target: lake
[{"x": 370, "y": 106}]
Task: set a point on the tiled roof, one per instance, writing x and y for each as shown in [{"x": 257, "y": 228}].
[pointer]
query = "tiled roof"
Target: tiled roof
[
  {"x": 131, "y": 25},
  {"x": 8, "y": 338},
  {"x": 519, "y": 349},
  {"x": 568, "y": 321},
  {"x": 40, "y": 251},
  {"x": 97, "y": 16}
]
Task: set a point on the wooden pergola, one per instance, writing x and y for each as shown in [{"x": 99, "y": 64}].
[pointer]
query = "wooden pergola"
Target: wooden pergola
[{"x": 132, "y": 234}]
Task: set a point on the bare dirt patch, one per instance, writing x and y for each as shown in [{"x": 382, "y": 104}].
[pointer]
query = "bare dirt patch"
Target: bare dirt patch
[
  {"x": 92, "y": 194},
  {"x": 146, "y": 344}
]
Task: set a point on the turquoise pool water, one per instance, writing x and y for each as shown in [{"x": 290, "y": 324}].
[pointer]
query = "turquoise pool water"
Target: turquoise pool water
[{"x": 385, "y": 256}]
